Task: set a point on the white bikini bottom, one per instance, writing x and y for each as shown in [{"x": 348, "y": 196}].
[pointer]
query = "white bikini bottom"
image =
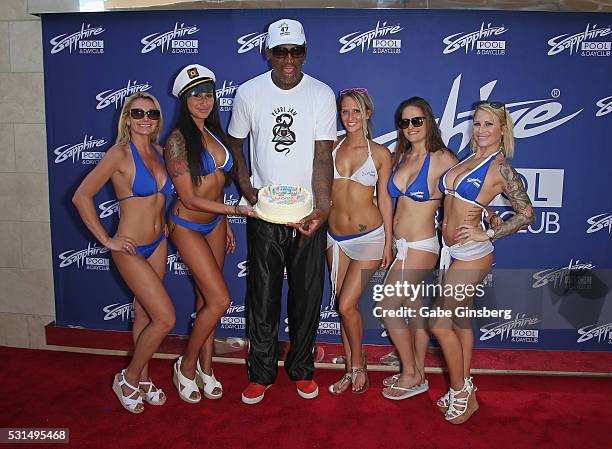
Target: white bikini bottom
[
  {"x": 431, "y": 245},
  {"x": 467, "y": 251},
  {"x": 369, "y": 246}
]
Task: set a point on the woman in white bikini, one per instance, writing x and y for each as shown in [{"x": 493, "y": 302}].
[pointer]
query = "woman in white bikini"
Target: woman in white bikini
[{"x": 359, "y": 235}]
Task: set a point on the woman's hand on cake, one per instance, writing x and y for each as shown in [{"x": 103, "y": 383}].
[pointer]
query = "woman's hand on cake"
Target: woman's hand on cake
[
  {"x": 247, "y": 211},
  {"x": 309, "y": 224}
]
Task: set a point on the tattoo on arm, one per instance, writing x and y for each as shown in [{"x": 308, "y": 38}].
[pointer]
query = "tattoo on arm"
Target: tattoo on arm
[
  {"x": 322, "y": 174},
  {"x": 176, "y": 160},
  {"x": 515, "y": 191},
  {"x": 362, "y": 228}
]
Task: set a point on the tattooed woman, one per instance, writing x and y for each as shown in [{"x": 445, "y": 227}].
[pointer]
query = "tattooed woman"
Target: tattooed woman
[
  {"x": 136, "y": 168},
  {"x": 198, "y": 162},
  {"x": 420, "y": 159},
  {"x": 360, "y": 234},
  {"x": 470, "y": 186}
]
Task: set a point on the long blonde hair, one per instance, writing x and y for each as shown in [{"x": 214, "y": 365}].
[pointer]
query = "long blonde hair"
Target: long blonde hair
[
  {"x": 123, "y": 128},
  {"x": 507, "y": 143},
  {"x": 365, "y": 103}
]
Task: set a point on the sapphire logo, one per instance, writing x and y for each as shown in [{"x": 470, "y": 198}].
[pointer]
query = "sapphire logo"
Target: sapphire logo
[
  {"x": 81, "y": 151},
  {"x": 603, "y": 333},
  {"x": 176, "y": 265},
  {"x": 599, "y": 222},
  {"x": 563, "y": 276},
  {"x": 420, "y": 194},
  {"x": 605, "y": 106},
  {"x": 531, "y": 117},
  {"x": 232, "y": 200},
  {"x": 583, "y": 42},
  {"x": 377, "y": 39},
  {"x": 233, "y": 322},
  {"x": 243, "y": 268},
  {"x": 85, "y": 257},
  {"x": 108, "y": 208},
  {"x": 250, "y": 41},
  {"x": 117, "y": 97},
  {"x": 476, "y": 182},
  {"x": 78, "y": 40},
  {"x": 479, "y": 40},
  {"x": 518, "y": 330},
  {"x": 123, "y": 311},
  {"x": 164, "y": 41},
  {"x": 225, "y": 95}
]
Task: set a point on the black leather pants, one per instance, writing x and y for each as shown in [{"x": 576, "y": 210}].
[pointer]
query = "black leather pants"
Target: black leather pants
[{"x": 271, "y": 248}]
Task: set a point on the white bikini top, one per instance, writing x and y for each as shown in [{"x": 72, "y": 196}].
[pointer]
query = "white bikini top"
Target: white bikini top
[{"x": 365, "y": 175}]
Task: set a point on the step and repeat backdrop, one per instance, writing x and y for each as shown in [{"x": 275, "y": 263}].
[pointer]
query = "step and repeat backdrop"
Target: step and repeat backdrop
[{"x": 553, "y": 72}]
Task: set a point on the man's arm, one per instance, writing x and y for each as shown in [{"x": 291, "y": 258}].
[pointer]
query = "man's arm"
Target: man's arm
[
  {"x": 322, "y": 177},
  {"x": 242, "y": 175}
]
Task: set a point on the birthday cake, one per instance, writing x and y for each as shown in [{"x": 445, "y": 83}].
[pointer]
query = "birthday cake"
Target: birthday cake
[{"x": 283, "y": 203}]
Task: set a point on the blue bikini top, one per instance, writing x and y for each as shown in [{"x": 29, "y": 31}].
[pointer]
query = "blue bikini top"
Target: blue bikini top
[
  {"x": 144, "y": 183},
  {"x": 209, "y": 165},
  {"x": 471, "y": 183},
  {"x": 418, "y": 190}
]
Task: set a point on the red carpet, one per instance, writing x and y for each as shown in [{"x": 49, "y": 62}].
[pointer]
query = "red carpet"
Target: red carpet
[{"x": 57, "y": 389}]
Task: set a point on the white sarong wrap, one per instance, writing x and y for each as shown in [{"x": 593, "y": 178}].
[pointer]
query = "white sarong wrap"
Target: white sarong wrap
[
  {"x": 468, "y": 251},
  {"x": 369, "y": 246},
  {"x": 431, "y": 245}
]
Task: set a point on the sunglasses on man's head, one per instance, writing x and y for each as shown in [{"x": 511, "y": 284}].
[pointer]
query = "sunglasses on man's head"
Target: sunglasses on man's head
[
  {"x": 493, "y": 104},
  {"x": 417, "y": 122},
  {"x": 138, "y": 114},
  {"x": 282, "y": 52}
]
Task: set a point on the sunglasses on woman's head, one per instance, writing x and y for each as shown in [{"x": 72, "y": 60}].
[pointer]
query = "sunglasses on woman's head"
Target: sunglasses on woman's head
[
  {"x": 138, "y": 114},
  {"x": 282, "y": 52},
  {"x": 493, "y": 104},
  {"x": 361, "y": 90},
  {"x": 417, "y": 122}
]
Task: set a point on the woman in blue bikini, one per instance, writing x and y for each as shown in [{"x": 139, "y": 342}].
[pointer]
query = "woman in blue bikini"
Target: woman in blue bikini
[
  {"x": 469, "y": 187},
  {"x": 420, "y": 159},
  {"x": 199, "y": 163},
  {"x": 359, "y": 236},
  {"x": 135, "y": 166}
]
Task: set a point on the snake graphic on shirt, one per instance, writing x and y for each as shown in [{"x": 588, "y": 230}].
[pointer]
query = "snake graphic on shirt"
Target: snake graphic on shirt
[{"x": 283, "y": 136}]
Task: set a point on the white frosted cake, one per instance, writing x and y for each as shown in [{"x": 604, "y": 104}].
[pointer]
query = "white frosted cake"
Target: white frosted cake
[{"x": 283, "y": 203}]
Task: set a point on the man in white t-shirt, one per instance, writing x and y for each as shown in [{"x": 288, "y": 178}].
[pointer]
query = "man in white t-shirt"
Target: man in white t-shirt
[{"x": 291, "y": 120}]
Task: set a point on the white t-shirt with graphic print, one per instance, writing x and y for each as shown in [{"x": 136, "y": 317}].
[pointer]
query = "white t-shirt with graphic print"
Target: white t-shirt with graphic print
[{"x": 283, "y": 127}]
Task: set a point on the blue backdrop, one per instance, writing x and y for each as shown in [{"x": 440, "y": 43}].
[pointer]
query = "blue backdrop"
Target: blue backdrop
[{"x": 553, "y": 71}]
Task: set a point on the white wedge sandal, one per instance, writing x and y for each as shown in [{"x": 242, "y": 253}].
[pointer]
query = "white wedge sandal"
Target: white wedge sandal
[
  {"x": 461, "y": 409},
  {"x": 207, "y": 383},
  {"x": 185, "y": 386},
  {"x": 129, "y": 402},
  {"x": 151, "y": 394}
]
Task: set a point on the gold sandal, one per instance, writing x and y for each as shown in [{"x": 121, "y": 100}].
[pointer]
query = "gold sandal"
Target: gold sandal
[
  {"x": 342, "y": 385},
  {"x": 362, "y": 370}
]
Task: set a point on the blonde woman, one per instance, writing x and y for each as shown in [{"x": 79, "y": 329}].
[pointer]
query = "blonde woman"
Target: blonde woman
[
  {"x": 135, "y": 166},
  {"x": 359, "y": 239},
  {"x": 470, "y": 186}
]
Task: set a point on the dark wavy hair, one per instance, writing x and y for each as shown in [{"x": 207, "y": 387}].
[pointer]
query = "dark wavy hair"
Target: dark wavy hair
[
  {"x": 434, "y": 136},
  {"x": 193, "y": 137}
]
